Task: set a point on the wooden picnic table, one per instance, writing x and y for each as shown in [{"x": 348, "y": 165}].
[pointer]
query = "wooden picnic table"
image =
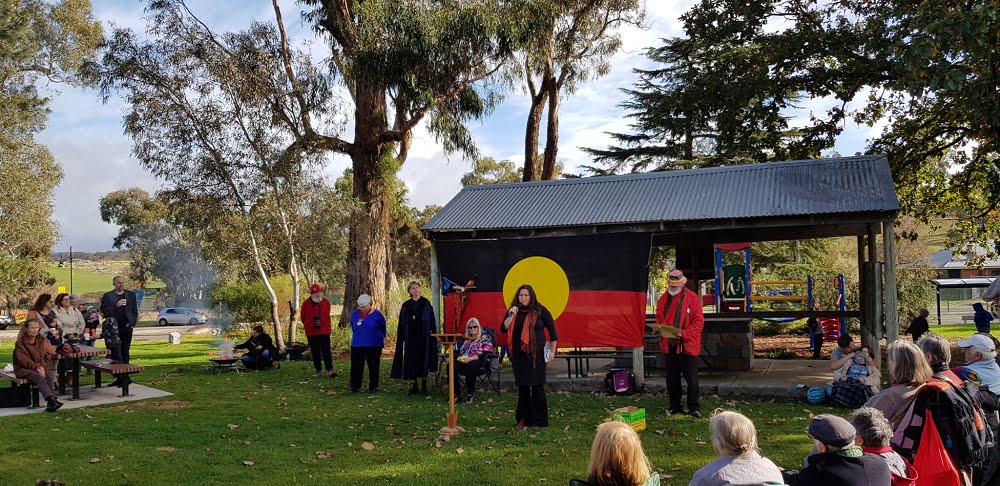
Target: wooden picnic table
[{"x": 84, "y": 352}]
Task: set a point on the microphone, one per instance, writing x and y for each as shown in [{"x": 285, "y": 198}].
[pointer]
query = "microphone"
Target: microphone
[{"x": 510, "y": 313}]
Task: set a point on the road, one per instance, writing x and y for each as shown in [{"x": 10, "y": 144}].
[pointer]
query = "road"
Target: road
[{"x": 153, "y": 333}]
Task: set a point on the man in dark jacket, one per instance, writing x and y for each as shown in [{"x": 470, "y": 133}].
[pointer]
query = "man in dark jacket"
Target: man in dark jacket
[
  {"x": 838, "y": 461},
  {"x": 919, "y": 326},
  {"x": 126, "y": 312},
  {"x": 261, "y": 351}
]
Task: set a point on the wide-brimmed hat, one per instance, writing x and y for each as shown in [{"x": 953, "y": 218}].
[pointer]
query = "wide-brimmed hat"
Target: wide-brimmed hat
[{"x": 676, "y": 278}]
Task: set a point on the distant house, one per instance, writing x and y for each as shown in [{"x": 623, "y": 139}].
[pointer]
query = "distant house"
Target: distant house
[{"x": 950, "y": 265}]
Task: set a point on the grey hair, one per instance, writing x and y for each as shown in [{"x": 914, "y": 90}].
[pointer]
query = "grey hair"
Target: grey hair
[
  {"x": 907, "y": 364},
  {"x": 937, "y": 347},
  {"x": 733, "y": 434},
  {"x": 74, "y": 296},
  {"x": 364, "y": 299},
  {"x": 872, "y": 427},
  {"x": 470, "y": 321}
]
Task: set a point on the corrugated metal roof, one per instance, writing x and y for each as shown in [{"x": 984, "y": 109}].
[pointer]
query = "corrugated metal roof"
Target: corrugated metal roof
[{"x": 791, "y": 188}]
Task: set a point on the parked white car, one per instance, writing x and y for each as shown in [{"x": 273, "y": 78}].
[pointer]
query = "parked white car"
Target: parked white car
[
  {"x": 5, "y": 321},
  {"x": 180, "y": 315}
]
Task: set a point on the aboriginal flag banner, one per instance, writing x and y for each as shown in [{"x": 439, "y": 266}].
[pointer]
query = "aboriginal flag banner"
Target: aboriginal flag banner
[{"x": 594, "y": 286}]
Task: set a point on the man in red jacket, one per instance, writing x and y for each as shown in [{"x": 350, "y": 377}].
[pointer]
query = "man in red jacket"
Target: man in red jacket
[
  {"x": 316, "y": 321},
  {"x": 680, "y": 308}
]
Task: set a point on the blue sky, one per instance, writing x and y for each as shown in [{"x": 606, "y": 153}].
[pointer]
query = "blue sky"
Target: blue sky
[{"x": 86, "y": 136}]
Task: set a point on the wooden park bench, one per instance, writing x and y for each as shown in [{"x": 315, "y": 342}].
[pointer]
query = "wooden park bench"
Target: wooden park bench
[
  {"x": 121, "y": 371},
  {"x": 967, "y": 319},
  {"x": 16, "y": 382},
  {"x": 582, "y": 357}
]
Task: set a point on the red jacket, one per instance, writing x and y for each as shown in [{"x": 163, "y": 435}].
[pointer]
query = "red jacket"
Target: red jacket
[
  {"x": 692, "y": 321},
  {"x": 309, "y": 310}
]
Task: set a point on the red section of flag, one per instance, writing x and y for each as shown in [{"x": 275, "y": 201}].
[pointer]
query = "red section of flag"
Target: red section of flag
[{"x": 591, "y": 318}]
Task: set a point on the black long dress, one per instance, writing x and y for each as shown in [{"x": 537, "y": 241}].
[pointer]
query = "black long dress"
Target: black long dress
[
  {"x": 416, "y": 350},
  {"x": 524, "y": 373}
]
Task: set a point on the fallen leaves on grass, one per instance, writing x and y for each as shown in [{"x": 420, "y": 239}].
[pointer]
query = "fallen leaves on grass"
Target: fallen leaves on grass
[
  {"x": 368, "y": 446},
  {"x": 95, "y": 460},
  {"x": 324, "y": 454},
  {"x": 460, "y": 450},
  {"x": 166, "y": 449},
  {"x": 233, "y": 426},
  {"x": 248, "y": 463}
]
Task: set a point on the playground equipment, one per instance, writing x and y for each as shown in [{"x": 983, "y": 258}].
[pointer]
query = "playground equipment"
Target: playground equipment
[{"x": 734, "y": 289}]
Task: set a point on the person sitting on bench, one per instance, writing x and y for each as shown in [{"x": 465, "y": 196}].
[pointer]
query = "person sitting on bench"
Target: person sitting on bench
[
  {"x": 260, "y": 350},
  {"x": 33, "y": 355}
]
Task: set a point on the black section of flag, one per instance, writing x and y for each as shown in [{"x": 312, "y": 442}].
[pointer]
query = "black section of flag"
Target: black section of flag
[{"x": 616, "y": 261}]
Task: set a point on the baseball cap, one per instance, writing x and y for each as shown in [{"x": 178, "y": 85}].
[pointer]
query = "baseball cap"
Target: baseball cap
[
  {"x": 832, "y": 430},
  {"x": 979, "y": 342},
  {"x": 315, "y": 288}
]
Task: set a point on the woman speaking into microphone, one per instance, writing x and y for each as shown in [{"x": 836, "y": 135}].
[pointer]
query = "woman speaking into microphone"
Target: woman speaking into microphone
[{"x": 526, "y": 322}]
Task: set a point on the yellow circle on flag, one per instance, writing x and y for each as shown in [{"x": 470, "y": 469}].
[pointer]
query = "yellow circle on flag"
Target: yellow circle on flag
[{"x": 545, "y": 276}]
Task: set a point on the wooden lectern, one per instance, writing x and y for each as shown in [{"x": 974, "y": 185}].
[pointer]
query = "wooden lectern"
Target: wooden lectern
[{"x": 449, "y": 340}]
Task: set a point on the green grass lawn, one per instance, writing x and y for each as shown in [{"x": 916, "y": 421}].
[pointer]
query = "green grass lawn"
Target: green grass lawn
[
  {"x": 84, "y": 281},
  {"x": 280, "y": 420}
]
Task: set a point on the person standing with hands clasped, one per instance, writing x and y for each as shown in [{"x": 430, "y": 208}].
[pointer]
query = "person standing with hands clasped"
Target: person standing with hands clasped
[
  {"x": 526, "y": 322},
  {"x": 126, "y": 313},
  {"x": 680, "y": 308},
  {"x": 367, "y": 341},
  {"x": 316, "y": 322}
]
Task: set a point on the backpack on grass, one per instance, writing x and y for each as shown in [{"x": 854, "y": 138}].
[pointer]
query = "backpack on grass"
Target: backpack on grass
[{"x": 619, "y": 381}]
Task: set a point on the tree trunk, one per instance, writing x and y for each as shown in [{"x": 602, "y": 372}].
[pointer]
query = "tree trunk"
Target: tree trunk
[
  {"x": 279, "y": 339},
  {"x": 367, "y": 260},
  {"x": 293, "y": 305},
  {"x": 551, "y": 134},
  {"x": 531, "y": 134}
]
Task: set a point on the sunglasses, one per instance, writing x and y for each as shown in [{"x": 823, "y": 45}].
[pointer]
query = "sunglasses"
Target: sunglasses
[{"x": 473, "y": 327}]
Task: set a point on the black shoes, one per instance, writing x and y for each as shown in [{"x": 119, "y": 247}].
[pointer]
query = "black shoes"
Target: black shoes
[
  {"x": 414, "y": 390},
  {"x": 53, "y": 404},
  {"x": 696, "y": 414}
]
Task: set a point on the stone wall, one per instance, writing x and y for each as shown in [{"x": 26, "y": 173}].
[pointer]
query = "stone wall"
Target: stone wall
[{"x": 726, "y": 344}]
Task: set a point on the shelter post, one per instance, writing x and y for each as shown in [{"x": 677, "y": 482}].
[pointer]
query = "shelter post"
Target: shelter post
[
  {"x": 891, "y": 306},
  {"x": 639, "y": 367},
  {"x": 436, "y": 287},
  {"x": 939, "y": 305}
]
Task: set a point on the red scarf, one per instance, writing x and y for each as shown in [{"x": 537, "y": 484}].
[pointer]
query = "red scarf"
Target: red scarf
[{"x": 527, "y": 335}]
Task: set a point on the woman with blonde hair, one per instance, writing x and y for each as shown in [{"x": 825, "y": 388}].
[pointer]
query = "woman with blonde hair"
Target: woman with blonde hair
[
  {"x": 909, "y": 371},
  {"x": 617, "y": 458},
  {"x": 467, "y": 359},
  {"x": 734, "y": 438}
]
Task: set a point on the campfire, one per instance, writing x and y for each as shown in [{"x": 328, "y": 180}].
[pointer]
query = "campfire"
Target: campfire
[{"x": 225, "y": 355}]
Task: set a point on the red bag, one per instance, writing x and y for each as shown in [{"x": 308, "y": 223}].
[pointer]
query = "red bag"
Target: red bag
[{"x": 932, "y": 462}]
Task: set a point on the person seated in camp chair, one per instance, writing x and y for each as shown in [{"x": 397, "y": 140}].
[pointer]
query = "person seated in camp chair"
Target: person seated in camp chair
[
  {"x": 617, "y": 459},
  {"x": 260, "y": 350},
  {"x": 467, "y": 360}
]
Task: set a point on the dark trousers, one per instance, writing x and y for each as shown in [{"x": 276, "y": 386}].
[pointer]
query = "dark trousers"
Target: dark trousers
[
  {"x": 361, "y": 355},
  {"x": 44, "y": 383},
  {"x": 319, "y": 347},
  {"x": 532, "y": 407},
  {"x": 116, "y": 352},
  {"x": 126, "y": 334},
  {"x": 678, "y": 364},
  {"x": 817, "y": 344},
  {"x": 470, "y": 371}
]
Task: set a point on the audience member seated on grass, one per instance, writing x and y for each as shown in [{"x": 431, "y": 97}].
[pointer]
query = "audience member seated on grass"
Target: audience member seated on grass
[
  {"x": 467, "y": 362},
  {"x": 909, "y": 372},
  {"x": 874, "y": 435},
  {"x": 937, "y": 351},
  {"x": 33, "y": 355},
  {"x": 734, "y": 438},
  {"x": 838, "y": 461},
  {"x": 260, "y": 350},
  {"x": 617, "y": 458},
  {"x": 980, "y": 357},
  {"x": 856, "y": 380}
]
